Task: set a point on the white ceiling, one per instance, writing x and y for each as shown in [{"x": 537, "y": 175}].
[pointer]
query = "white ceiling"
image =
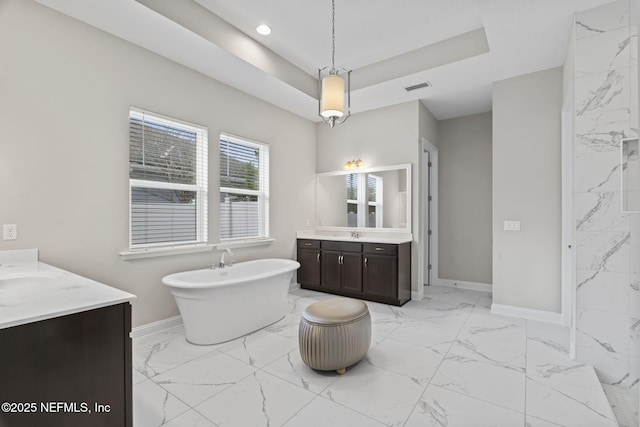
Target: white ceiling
[{"x": 390, "y": 44}]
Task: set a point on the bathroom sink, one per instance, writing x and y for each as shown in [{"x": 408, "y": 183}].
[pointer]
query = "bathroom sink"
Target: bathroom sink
[{"x": 27, "y": 280}]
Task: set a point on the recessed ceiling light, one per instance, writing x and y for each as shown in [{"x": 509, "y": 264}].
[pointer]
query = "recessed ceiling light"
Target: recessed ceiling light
[{"x": 263, "y": 29}]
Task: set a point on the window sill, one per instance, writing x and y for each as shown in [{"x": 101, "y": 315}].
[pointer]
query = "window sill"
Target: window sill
[
  {"x": 244, "y": 243},
  {"x": 158, "y": 252}
]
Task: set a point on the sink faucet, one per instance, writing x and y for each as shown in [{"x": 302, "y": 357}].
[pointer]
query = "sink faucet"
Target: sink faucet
[
  {"x": 222, "y": 264},
  {"x": 355, "y": 234}
]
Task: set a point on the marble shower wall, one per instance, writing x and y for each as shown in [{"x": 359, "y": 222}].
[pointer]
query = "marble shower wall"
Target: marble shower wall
[{"x": 607, "y": 240}]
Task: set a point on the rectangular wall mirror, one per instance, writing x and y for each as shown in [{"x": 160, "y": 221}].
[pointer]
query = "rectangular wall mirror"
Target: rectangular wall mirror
[
  {"x": 372, "y": 198},
  {"x": 630, "y": 175}
]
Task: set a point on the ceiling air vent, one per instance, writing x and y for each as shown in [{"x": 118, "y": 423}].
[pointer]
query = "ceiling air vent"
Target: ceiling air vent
[{"x": 418, "y": 86}]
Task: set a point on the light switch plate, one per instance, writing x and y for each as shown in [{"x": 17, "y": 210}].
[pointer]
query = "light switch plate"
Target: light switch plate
[
  {"x": 9, "y": 232},
  {"x": 512, "y": 225}
]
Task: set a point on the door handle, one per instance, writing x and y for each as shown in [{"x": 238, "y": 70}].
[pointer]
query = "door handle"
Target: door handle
[
  {"x": 341, "y": 259},
  {"x": 318, "y": 257},
  {"x": 365, "y": 261}
]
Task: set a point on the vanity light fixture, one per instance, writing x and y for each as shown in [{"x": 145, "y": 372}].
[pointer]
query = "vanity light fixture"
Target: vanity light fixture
[
  {"x": 331, "y": 80},
  {"x": 353, "y": 164},
  {"x": 263, "y": 29}
]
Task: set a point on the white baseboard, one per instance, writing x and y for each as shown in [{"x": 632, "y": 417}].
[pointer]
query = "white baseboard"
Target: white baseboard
[
  {"x": 154, "y": 327},
  {"x": 526, "y": 313},
  {"x": 472, "y": 286}
]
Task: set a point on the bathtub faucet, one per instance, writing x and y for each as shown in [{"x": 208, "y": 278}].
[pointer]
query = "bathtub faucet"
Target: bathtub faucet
[{"x": 222, "y": 264}]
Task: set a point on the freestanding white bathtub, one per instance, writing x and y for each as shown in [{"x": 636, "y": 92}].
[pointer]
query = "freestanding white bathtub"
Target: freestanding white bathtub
[{"x": 221, "y": 304}]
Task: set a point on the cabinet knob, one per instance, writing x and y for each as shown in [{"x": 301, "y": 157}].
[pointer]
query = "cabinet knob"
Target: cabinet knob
[
  {"x": 379, "y": 249},
  {"x": 365, "y": 261},
  {"x": 318, "y": 257}
]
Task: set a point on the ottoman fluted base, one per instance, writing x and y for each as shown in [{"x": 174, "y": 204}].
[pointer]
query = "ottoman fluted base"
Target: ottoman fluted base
[{"x": 334, "y": 334}]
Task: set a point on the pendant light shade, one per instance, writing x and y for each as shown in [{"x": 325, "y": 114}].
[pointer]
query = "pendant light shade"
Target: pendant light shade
[{"x": 332, "y": 97}]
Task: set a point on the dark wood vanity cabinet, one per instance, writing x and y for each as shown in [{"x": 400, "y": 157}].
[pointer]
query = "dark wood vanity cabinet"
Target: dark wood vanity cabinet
[
  {"x": 309, "y": 259},
  {"x": 341, "y": 266},
  {"x": 74, "y": 370},
  {"x": 375, "y": 272}
]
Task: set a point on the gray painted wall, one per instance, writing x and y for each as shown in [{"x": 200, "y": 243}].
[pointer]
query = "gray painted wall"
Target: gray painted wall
[
  {"x": 66, "y": 90},
  {"x": 383, "y": 137},
  {"x": 464, "y": 239},
  {"x": 527, "y": 188}
]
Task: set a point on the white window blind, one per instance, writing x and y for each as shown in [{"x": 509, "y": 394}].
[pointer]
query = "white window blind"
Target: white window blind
[
  {"x": 244, "y": 188},
  {"x": 167, "y": 181}
]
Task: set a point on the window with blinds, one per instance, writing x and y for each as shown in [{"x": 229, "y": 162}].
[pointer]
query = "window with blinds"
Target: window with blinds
[
  {"x": 244, "y": 188},
  {"x": 167, "y": 181}
]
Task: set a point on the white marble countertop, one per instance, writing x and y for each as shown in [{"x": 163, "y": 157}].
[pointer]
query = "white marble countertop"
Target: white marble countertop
[
  {"x": 390, "y": 239},
  {"x": 31, "y": 290}
]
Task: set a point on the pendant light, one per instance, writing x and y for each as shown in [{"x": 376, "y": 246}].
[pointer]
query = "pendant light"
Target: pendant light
[{"x": 332, "y": 85}]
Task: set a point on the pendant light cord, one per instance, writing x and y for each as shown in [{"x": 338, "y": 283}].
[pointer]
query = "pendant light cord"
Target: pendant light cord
[{"x": 333, "y": 35}]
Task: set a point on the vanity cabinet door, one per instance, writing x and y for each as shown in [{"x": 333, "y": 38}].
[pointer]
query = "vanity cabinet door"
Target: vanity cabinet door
[
  {"x": 309, "y": 271},
  {"x": 380, "y": 275},
  {"x": 352, "y": 272},
  {"x": 82, "y": 359},
  {"x": 331, "y": 270}
]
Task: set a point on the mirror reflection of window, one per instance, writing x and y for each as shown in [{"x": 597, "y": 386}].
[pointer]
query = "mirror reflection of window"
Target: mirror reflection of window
[
  {"x": 374, "y": 201},
  {"x": 352, "y": 199},
  {"x": 364, "y": 200}
]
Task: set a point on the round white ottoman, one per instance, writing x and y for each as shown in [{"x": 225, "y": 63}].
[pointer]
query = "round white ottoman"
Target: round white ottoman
[{"x": 334, "y": 334}]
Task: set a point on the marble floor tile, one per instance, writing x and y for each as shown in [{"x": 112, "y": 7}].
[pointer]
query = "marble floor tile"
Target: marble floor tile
[
  {"x": 291, "y": 368},
  {"x": 442, "y": 407},
  {"x": 489, "y": 350},
  {"x": 444, "y": 360},
  {"x": 322, "y": 412},
  {"x": 444, "y": 314},
  {"x": 297, "y": 304},
  {"x": 550, "y": 362},
  {"x": 199, "y": 379},
  {"x": 624, "y": 404},
  {"x": 415, "y": 362},
  {"x": 501, "y": 385},
  {"x": 387, "y": 310},
  {"x": 537, "y": 422},
  {"x": 383, "y": 324},
  {"x": 154, "y": 406},
  {"x": 568, "y": 405},
  {"x": 509, "y": 329},
  {"x": 189, "y": 419},
  {"x": 550, "y": 334},
  {"x": 286, "y": 327},
  {"x": 138, "y": 377},
  {"x": 259, "y": 348},
  {"x": 260, "y": 399},
  {"x": 424, "y": 335},
  {"x": 381, "y": 394},
  {"x": 162, "y": 351},
  {"x": 460, "y": 296}
]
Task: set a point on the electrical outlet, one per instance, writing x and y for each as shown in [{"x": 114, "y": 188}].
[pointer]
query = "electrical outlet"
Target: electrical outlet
[{"x": 9, "y": 232}]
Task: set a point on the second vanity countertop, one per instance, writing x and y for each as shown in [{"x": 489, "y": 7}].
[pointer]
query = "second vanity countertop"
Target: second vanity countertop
[
  {"x": 394, "y": 240},
  {"x": 31, "y": 291}
]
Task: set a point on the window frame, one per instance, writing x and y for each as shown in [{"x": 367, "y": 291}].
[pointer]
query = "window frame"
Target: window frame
[
  {"x": 264, "y": 229},
  {"x": 200, "y": 187}
]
